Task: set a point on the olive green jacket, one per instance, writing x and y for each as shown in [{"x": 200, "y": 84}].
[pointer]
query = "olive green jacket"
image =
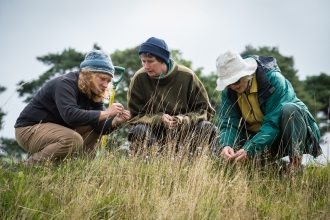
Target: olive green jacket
[{"x": 178, "y": 92}]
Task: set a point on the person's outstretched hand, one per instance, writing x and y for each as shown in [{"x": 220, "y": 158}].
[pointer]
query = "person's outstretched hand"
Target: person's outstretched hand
[
  {"x": 241, "y": 155},
  {"x": 169, "y": 122},
  {"x": 114, "y": 109},
  {"x": 121, "y": 118},
  {"x": 227, "y": 153}
]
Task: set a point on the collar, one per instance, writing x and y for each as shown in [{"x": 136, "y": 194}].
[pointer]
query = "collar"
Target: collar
[
  {"x": 169, "y": 67},
  {"x": 252, "y": 85}
]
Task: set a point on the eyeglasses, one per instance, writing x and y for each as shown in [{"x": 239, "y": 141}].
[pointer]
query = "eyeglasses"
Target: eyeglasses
[{"x": 235, "y": 83}]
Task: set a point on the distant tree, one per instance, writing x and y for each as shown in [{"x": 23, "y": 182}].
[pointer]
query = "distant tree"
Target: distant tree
[
  {"x": 2, "y": 89},
  {"x": 10, "y": 149},
  {"x": 68, "y": 60},
  {"x": 130, "y": 61},
  {"x": 318, "y": 87},
  {"x": 286, "y": 64},
  {"x": 2, "y": 114}
]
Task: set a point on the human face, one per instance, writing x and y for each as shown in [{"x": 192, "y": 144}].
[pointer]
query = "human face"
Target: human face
[
  {"x": 152, "y": 66},
  {"x": 239, "y": 86},
  {"x": 101, "y": 82}
]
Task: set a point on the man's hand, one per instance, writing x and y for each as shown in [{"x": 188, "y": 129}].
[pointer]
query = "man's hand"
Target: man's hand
[
  {"x": 241, "y": 155},
  {"x": 169, "y": 122},
  {"x": 121, "y": 118},
  {"x": 182, "y": 119},
  {"x": 227, "y": 153}
]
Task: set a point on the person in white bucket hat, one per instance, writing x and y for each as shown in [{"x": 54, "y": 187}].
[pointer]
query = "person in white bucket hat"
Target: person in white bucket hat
[{"x": 260, "y": 114}]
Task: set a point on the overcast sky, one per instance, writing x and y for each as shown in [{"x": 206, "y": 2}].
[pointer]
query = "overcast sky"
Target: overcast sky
[{"x": 201, "y": 30}]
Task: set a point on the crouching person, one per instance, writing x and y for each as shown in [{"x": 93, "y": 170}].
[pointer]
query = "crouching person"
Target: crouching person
[
  {"x": 167, "y": 101},
  {"x": 68, "y": 115},
  {"x": 260, "y": 114}
]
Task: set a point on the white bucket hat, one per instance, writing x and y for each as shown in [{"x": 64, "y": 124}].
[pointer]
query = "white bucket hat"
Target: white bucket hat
[{"x": 231, "y": 67}]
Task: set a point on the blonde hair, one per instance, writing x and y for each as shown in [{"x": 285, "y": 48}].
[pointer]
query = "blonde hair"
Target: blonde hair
[
  {"x": 247, "y": 78},
  {"x": 86, "y": 83}
]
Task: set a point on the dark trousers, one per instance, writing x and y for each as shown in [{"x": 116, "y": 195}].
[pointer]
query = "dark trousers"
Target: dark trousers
[
  {"x": 292, "y": 140},
  {"x": 149, "y": 135}
]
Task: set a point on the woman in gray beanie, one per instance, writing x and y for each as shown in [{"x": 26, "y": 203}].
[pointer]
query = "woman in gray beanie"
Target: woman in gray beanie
[
  {"x": 166, "y": 98},
  {"x": 67, "y": 114}
]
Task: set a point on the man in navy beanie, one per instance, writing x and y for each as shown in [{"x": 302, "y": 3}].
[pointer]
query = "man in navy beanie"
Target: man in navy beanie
[
  {"x": 167, "y": 101},
  {"x": 67, "y": 114}
]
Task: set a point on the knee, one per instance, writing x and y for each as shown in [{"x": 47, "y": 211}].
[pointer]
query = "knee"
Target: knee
[
  {"x": 139, "y": 131},
  {"x": 289, "y": 109},
  {"x": 291, "y": 118},
  {"x": 206, "y": 128},
  {"x": 74, "y": 140}
]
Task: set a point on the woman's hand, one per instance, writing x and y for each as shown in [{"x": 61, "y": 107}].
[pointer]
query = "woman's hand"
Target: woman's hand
[
  {"x": 227, "y": 153},
  {"x": 121, "y": 118},
  {"x": 169, "y": 122},
  {"x": 241, "y": 155},
  {"x": 113, "y": 110}
]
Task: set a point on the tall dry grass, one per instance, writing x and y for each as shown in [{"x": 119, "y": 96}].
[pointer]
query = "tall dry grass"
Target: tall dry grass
[
  {"x": 117, "y": 186},
  {"x": 172, "y": 185}
]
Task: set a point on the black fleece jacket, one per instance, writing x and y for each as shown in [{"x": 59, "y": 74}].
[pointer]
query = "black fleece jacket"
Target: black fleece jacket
[{"x": 59, "y": 101}]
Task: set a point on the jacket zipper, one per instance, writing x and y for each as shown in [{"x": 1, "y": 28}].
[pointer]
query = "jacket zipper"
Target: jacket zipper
[{"x": 251, "y": 109}]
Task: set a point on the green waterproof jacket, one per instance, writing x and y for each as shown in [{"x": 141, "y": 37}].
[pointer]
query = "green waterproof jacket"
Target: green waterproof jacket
[{"x": 273, "y": 91}]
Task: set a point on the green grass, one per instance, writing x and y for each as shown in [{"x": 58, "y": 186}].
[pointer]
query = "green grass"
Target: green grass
[{"x": 116, "y": 186}]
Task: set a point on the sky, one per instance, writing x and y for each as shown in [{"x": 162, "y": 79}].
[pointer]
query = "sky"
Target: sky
[{"x": 200, "y": 29}]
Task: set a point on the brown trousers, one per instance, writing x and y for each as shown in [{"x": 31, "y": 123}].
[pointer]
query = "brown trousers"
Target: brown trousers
[{"x": 48, "y": 141}]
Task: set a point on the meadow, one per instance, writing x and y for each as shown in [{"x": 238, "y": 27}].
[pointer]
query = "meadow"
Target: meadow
[{"x": 117, "y": 185}]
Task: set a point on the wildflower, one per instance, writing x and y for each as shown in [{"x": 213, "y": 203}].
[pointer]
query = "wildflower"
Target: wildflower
[{"x": 20, "y": 174}]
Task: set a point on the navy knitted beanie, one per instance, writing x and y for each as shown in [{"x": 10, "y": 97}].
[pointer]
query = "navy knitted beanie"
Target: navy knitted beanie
[
  {"x": 98, "y": 61},
  {"x": 156, "y": 47}
]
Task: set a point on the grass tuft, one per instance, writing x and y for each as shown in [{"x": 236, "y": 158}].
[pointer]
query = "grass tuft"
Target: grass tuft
[{"x": 118, "y": 186}]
